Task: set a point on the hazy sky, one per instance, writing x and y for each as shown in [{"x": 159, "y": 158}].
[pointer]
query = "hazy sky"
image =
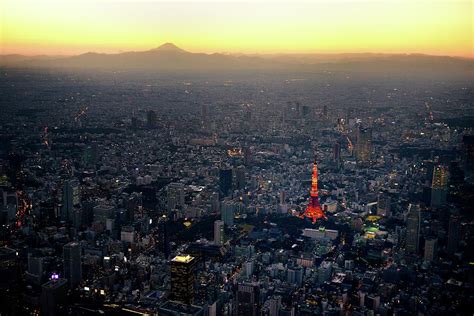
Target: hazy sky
[{"x": 258, "y": 26}]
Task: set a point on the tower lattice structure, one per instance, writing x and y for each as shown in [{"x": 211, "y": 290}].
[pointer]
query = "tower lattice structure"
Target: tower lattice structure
[{"x": 314, "y": 210}]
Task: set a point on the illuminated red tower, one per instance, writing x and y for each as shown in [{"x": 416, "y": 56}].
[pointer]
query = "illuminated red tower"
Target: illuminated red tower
[{"x": 314, "y": 210}]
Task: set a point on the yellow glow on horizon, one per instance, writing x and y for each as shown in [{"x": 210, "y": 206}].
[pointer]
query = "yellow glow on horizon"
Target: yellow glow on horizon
[{"x": 440, "y": 27}]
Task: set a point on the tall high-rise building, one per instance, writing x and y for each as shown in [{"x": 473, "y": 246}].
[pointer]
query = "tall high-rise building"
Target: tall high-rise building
[
  {"x": 183, "y": 278},
  {"x": 71, "y": 199},
  {"x": 163, "y": 241},
  {"x": 248, "y": 299},
  {"x": 175, "y": 195},
  {"x": 430, "y": 248},
  {"x": 219, "y": 232},
  {"x": 337, "y": 154},
  {"x": 9, "y": 279},
  {"x": 228, "y": 212},
  {"x": 72, "y": 263},
  {"x": 454, "y": 233},
  {"x": 363, "y": 148},
  {"x": 413, "y": 229},
  {"x": 314, "y": 210},
  {"x": 53, "y": 297},
  {"x": 225, "y": 181},
  {"x": 384, "y": 204},
  {"x": 439, "y": 186},
  {"x": 468, "y": 144},
  {"x": 151, "y": 119},
  {"x": 240, "y": 181}
]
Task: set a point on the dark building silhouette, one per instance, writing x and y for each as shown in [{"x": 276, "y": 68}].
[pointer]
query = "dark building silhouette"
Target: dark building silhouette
[
  {"x": 53, "y": 297},
  {"x": 248, "y": 299},
  {"x": 72, "y": 263},
  {"x": 225, "y": 181},
  {"x": 151, "y": 119},
  {"x": 413, "y": 229}
]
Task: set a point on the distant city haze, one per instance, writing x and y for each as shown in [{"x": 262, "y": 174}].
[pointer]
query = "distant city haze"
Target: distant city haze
[{"x": 51, "y": 27}]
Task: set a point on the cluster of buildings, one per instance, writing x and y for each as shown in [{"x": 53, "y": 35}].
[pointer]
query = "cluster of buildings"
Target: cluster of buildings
[{"x": 182, "y": 197}]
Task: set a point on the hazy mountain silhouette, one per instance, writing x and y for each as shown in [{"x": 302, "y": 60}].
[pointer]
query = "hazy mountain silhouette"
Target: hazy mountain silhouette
[{"x": 170, "y": 57}]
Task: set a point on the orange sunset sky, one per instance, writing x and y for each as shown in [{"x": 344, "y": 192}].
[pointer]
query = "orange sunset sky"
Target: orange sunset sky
[{"x": 64, "y": 27}]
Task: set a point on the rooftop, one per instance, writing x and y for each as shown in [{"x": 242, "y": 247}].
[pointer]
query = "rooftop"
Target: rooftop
[{"x": 183, "y": 259}]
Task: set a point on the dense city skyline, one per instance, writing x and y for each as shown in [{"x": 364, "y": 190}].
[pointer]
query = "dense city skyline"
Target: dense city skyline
[{"x": 315, "y": 178}]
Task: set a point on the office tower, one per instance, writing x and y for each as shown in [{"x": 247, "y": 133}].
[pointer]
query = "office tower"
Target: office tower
[
  {"x": 35, "y": 269},
  {"x": 240, "y": 177},
  {"x": 183, "y": 278},
  {"x": 282, "y": 197},
  {"x": 228, "y": 212},
  {"x": 71, "y": 199},
  {"x": 431, "y": 244},
  {"x": 215, "y": 203},
  {"x": 454, "y": 233},
  {"x": 324, "y": 271},
  {"x": 9, "y": 268},
  {"x": 175, "y": 195},
  {"x": 325, "y": 111},
  {"x": 248, "y": 157},
  {"x": 72, "y": 263},
  {"x": 314, "y": 211},
  {"x": 363, "y": 148},
  {"x": 248, "y": 299},
  {"x": 384, "y": 204},
  {"x": 164, "y": 243},
  {"x": 225, "y": 181},
  {"x": 102, "y": 212},
  {"x": 204, "y": 112},
  {"x": 53, "y": 297},
  {"x": 413, "y": 229},
  {"x": 298, "y": 109},
  {"x": 468, "y": 144},
  {"x": 219, "y": 232},
  {"x": 8, "y": 205},
  {"x": 337, "y": 154},
  {"x": 127, "y": 234},
  {"x": 151, "y": 119},
  {"x": 439, "y": 185}
]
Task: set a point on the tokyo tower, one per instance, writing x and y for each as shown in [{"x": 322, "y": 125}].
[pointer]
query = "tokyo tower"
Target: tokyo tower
[{"x": 314, "y": 210}]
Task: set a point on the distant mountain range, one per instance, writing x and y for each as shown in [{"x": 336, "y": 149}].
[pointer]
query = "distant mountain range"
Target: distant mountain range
[{"x": 170, "y": 57}]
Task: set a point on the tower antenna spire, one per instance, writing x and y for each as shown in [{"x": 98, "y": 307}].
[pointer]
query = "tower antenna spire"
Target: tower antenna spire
[{"x": 314, "y": 210}]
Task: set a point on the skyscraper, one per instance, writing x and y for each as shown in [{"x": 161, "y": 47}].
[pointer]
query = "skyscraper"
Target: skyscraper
[
  {"x": 314, "y": 210},
  {"x": 248, "y": 299},
  {"x": 71, "y": 199},
  {"x": 454, "y": 233},
  {"x": 384, "y": 204},
  {"x": 240, "y": 177},
  {"x": 225, "y": 181},
  {"x": 439, "y": 186},
  {"x": 183, "y": 278},
  {"x": 337, "y": 154},
  {"x": 430, "y": 248},
  {"x": 228, "y": 212},
  {"x": 363, "y": 145},
  {"x": 72, "y": 263},
  {"x": 219, "y": 232},
  {"x": 164, "y": 243},
  {"x": 175, "y": 195},
  {"x": 413, "y": 229},
  {"x": 53, "y": 296},
  {"x": 151, "y": 119}
]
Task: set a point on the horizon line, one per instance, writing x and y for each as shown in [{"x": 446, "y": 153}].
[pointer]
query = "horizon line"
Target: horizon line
[{"x": 244, "y": 53}]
